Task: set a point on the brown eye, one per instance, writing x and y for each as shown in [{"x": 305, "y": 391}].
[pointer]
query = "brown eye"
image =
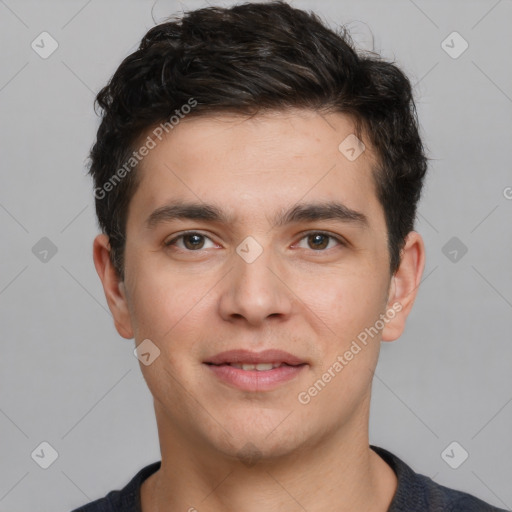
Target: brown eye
[
  {"x": 193, "y": 241},
  {"x": 319, "y": 241},
  {"x": 190, "y": 241}
]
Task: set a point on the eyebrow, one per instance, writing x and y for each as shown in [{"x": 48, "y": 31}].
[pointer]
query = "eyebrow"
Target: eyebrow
[{"x": 304, "y": 212}]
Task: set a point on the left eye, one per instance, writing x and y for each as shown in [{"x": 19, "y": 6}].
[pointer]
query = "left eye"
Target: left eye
[
  {"x": 192, "y": 241},
  {"x": 320, "y": 241}
]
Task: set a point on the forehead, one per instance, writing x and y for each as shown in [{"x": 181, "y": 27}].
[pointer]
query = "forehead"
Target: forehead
[{"x": 250, "y": 166}]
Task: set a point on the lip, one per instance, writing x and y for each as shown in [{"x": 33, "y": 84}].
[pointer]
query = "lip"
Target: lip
[
  {"x": 255, "y": 380},
  {"x": 247, "y": 356}
]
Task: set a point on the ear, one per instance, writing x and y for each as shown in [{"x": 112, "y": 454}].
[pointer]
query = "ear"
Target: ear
[
  {"x": 112, "y": 286},
  {"x": 404, "y": 286}
]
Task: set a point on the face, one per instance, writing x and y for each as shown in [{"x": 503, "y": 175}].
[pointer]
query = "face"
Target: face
[{"x": 283, "y": 248}]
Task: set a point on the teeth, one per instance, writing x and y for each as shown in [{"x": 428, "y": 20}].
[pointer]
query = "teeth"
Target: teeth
[{"x": 259, "y": 366}]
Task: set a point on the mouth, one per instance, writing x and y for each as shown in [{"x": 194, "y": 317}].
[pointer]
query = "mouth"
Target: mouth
[
  {"x": 262, "y": 359},
  {"x": 255, "y": 371},
  {"x": 260, "y": 367}
]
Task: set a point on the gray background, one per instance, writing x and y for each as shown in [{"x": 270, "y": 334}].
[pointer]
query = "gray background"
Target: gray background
[{"x": 67, "y": 378}]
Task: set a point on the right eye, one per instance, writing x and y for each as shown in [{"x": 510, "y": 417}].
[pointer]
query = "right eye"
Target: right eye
[{"x": 192, "y": 241}]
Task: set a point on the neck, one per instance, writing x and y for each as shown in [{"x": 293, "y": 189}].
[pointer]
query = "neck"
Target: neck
[{"x": 339, "y": 472}]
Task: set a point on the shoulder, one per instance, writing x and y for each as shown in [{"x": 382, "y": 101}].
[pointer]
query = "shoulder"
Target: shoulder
[
  {"x": 106, "y": 504},
  {"x": 420, "y": 493},
  {"x": 443, "y": 498},
  {"x": 126, "y": 499}
]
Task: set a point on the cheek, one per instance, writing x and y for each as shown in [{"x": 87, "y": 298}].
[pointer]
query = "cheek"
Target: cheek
[
  {"x": 347, "y": 303},
  {"x": 169, "y": 309},
  {"x": 350, "y": 348},
  {"x": 350, "y": 307},
  {"x": 162, "y": 302}
]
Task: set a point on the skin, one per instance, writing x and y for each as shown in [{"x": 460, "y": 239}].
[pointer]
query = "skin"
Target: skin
[{"x": 296, "y": 297}]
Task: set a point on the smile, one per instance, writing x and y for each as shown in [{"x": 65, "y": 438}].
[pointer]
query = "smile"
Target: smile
[
  {"x": 256, "y": 377},
  {"x": 260, "y": 366}
]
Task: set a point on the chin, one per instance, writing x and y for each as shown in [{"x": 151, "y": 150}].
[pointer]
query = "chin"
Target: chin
[
  {"x": 252, "y": 441},
  {"x": 250, "y": 451}
]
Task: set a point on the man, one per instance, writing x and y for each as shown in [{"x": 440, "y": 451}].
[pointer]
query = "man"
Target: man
[{"x": 256, "y": 184}]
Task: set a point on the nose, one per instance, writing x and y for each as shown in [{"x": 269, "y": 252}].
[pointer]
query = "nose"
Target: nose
[{"x": 255, "y": 290}]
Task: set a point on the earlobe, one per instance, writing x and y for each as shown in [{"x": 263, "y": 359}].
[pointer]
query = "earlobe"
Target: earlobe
[
  {"x": 112, "y": 286},
  {"x": 404, "y": 286}
]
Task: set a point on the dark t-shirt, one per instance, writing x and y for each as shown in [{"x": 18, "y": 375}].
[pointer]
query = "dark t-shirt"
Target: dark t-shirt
[{"x": 414, "y": 493}]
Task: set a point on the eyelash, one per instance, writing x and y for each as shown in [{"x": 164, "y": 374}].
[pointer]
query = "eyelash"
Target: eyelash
[{"x": 309, "y": 233}]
